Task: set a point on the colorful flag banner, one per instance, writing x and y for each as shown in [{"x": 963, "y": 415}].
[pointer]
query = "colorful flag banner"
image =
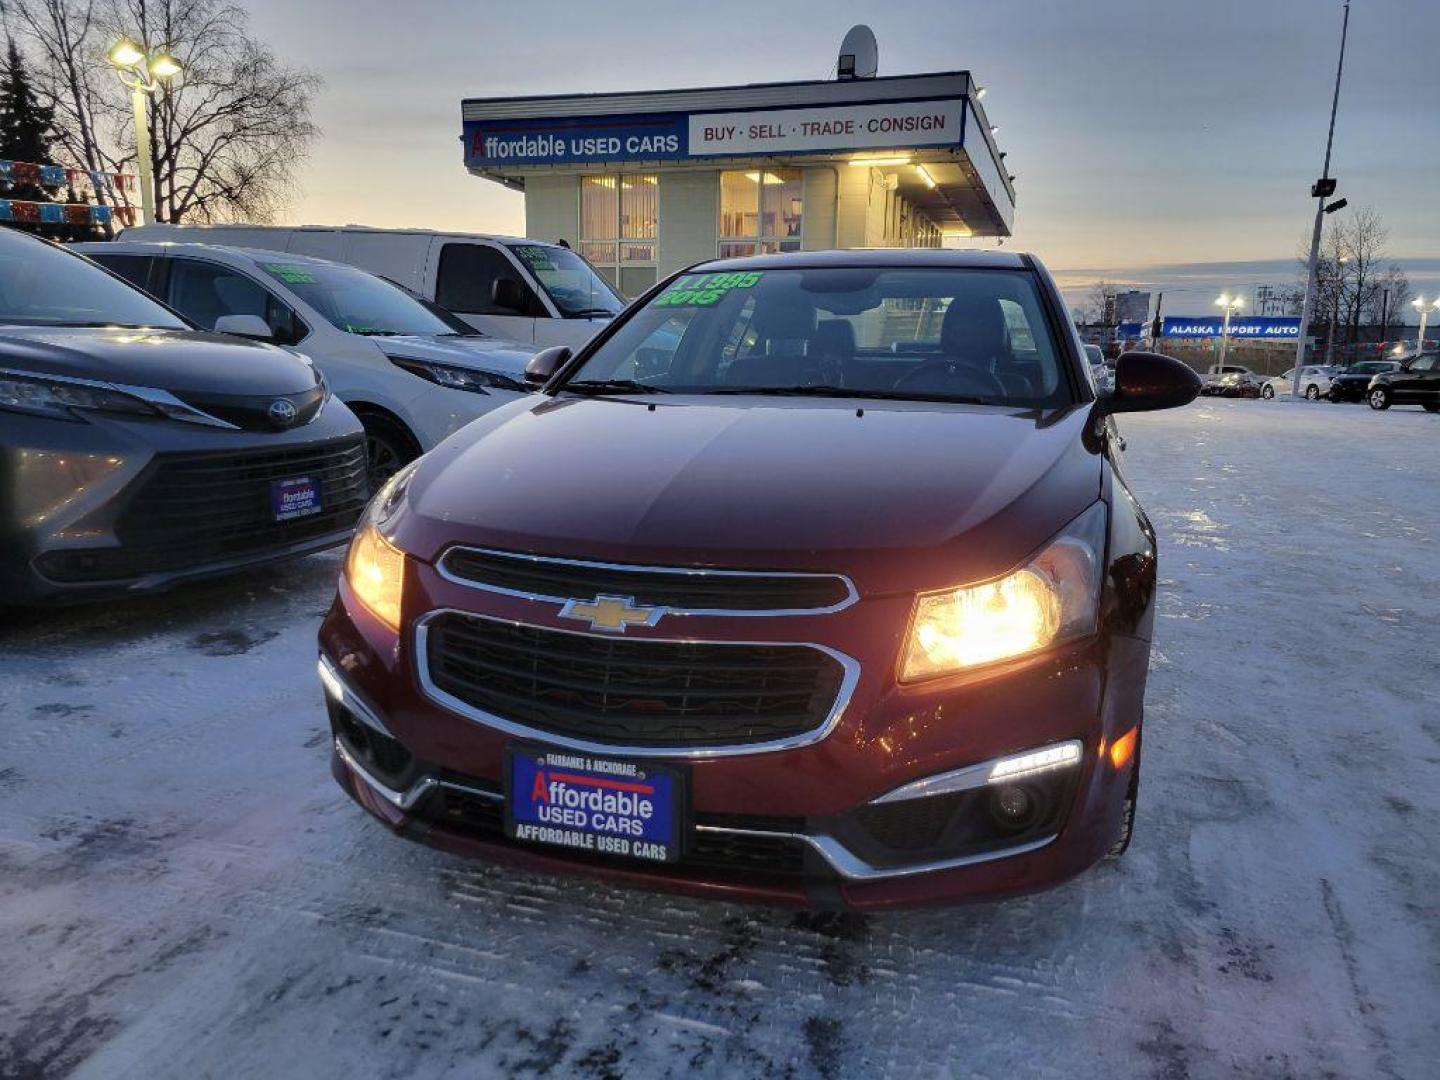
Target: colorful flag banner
[{"x": 62, "y": 213}]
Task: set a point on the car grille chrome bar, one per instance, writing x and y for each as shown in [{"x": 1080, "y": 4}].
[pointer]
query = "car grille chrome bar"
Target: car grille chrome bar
[{"x": 675, "y": 590}]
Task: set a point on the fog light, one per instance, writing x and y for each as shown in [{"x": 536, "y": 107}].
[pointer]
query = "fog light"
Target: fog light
[{"x": 1015, "y": 808}]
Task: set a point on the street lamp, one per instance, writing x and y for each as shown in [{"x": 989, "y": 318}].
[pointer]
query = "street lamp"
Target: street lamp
[
  {"x": 1425, "y": 310},
  {"x": 142, "y": 72},
  {"x": 1229, "y": 304}
]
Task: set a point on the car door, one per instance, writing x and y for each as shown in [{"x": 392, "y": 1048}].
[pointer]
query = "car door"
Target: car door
[
  {"x": 203, "y": 291},
  {"x": 1420, "y": 383},
  {"x": 465, "y": 277}
]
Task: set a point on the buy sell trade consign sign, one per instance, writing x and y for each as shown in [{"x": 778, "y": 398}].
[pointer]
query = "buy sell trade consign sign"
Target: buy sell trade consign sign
[
  {"x": 674, "y": 136},
  {"x": 1265, "y": 327}
]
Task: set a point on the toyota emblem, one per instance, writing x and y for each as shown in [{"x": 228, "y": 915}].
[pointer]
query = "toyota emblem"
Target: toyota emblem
[{"x": 282, "y": 412}]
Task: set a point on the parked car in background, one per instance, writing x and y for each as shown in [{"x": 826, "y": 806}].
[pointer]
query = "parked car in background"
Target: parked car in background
[
  {"x": 1232, "y": 380},
  {"x": 1100, "y": 367},
  {"x": 1353, "y": 383},
  {"x": 736, "y": 623},
  {"x": 137, "y": 452},
  {"x": 507, "y": 286},
  {"x": 412, "y": 372},
  {"x": 1314, "y": 382},
  {"x": 1415, "y": 382}
]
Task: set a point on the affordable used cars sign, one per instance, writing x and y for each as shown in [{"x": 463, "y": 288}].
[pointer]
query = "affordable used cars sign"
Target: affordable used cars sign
[{"x": 670, "y": 136}]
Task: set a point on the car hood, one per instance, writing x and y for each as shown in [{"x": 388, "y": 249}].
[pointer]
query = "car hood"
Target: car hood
[
  {"x": 499, "y": 355},
  {"x": 181, "y": 361},
  {"x": 900, "y": 495}
]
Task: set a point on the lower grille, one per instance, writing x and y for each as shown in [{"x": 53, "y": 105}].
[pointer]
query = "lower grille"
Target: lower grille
[
  {"x": 192, "y": 511},
  {"x": 630, "y": 693},
  {"x": 483, "y": 818}
]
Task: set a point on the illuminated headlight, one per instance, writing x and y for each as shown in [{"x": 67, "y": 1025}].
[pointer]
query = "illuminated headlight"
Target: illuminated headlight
[
  {"x": 457, "y": 378},
  {"x": 375, "y": 570},
  {"x": 1053, "y": 598}
]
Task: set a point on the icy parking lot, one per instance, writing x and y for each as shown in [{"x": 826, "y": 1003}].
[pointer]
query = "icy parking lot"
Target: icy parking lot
[{"x": 184, "y": 892}]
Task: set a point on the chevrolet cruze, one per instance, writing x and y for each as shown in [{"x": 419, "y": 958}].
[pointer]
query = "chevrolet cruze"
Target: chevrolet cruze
[{"x": 813, "y": 579}]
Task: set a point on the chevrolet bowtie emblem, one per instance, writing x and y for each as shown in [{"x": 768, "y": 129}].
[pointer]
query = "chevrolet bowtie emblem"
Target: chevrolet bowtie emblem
[{"x": 612, "y": 613}]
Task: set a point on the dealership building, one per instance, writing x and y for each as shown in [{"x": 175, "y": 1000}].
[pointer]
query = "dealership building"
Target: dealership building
[{"x": 645, "y": 183}]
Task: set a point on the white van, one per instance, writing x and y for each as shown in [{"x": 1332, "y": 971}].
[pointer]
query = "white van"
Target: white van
[{"x": 524, "y": 290}]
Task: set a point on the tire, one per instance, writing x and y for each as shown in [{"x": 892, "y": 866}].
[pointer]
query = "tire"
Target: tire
[
  {"x": 1312, "y": 393},
  {"x": 1267, "y": 391},
  {"x": 389, "y": 447},
  {"x": 1379, "y": 399}
]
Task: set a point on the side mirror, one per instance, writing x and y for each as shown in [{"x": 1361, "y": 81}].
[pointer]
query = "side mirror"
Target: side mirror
[
  {"x": 541, "y": 367},
  {"x": 1145, "y": 381},
  {"x": 246, "y": 326},
  {"x": 508, "y": 293}
]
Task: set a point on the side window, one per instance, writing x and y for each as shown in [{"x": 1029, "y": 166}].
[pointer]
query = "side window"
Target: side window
[
  {"x": 1425, "y": 363},
  {"x": 466, "y": 276},
  {"x": 133, "y": 268},
  {"x": 204, "y": 291}
]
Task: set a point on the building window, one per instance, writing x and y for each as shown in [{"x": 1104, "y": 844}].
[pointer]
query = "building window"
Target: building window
[
  {"x": 760, "y": 211},
  {"x": 618, "y": 226}
]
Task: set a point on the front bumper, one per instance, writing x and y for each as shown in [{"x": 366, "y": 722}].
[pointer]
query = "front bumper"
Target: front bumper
[
  {"x": 776, "y": 826},
  {"x": 110, "y": 506},
  {"x": 1348, "y": 391}
]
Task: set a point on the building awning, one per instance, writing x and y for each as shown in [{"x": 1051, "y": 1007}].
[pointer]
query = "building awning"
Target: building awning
[{"x": 929, "y": 130}]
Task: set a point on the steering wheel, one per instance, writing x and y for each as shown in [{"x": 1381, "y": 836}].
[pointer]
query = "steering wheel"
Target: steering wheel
[{"x": 971, "y": 378}]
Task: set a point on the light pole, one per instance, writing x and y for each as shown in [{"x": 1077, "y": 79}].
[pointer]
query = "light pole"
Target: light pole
[
  {"x": 1321, "y": 190},
  {"x": 1230, "y": 304},
  {"x": 141, "y": 73},
  {"x": 1425, "y": 309}
]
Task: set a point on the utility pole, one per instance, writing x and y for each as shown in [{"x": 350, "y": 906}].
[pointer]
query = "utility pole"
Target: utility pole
[
  {"x": 1384, "y": 316},
  {"x": 1322, "y": 190}
]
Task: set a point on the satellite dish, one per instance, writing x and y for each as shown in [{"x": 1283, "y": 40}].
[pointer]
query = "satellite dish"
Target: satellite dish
[{"x": 859, "y": 55}]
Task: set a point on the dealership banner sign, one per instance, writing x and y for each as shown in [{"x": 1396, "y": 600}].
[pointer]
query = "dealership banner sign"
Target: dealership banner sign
[
  {"x": 835, "y": 127},
  {"x": 1266, "y": 327},
  {"x": 673, "y": 136}
]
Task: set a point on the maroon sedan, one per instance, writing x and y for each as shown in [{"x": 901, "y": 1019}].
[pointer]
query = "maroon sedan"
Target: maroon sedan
[{"x": 813, "y": 579}]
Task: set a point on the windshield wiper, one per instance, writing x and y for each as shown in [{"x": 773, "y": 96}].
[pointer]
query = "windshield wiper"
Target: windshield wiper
[
  {"x": 847, "y": 392},
  {"x": 376, "y": 333},
  {"x": 587, "y": 312},
  {"x": 613, "y": 386}
]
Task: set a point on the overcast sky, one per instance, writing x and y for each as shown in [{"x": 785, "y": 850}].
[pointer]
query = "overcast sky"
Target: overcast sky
[{"x": 1162, "y": 142}]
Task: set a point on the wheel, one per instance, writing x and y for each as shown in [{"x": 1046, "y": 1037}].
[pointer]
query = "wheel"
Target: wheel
[
  {"x": 1312, "y": 392},
  {"x": 389, "y": 447},
  {"x": 1267, "y": 391},
  {"x": 1380, "y": 398}
]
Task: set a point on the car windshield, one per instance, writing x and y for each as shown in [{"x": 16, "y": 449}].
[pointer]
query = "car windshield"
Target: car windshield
[
  {"x": 356, "y": 302},
  {"x": 1371, "y": 367},
  {"x": 42, "y": 285},
  {"x": 918, "y": 334},
  {"x": 569, "y": 280}
]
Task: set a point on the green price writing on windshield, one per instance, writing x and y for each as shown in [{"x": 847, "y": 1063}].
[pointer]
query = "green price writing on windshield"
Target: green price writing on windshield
[
  {"x": 702, "y": 290},
  {"x": 291, "y": 274}
]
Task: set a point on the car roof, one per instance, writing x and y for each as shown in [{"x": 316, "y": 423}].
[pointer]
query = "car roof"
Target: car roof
[
  {"x": 221, "y": 228},
  {"x": 244, "y": 254},
  {"x": 972, "y": 258}
]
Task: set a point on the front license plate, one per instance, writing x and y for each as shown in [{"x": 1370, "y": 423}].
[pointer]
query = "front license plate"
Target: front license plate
[
  {"x": 295, "y": 498},
  {"x": 603, "y": 805}
]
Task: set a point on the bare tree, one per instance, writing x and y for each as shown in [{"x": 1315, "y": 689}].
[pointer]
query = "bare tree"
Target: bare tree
[
  {"x": 1354, "y": 278},
  {"x": 63, "y": 38},
  {"x": 226, "y": 137}
]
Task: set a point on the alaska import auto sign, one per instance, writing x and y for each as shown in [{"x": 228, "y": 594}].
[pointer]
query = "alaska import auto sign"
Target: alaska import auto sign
[
  {"x": 1265, "y": 327},
  {"x": 672, "y": 136}
]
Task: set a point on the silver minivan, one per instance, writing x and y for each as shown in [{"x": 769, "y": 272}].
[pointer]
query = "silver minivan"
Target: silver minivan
[{"x": 524, "y": 290}]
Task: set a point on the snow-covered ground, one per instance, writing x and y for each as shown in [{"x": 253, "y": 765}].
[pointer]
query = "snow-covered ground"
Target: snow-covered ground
[{"x": 184, "y": 892}]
